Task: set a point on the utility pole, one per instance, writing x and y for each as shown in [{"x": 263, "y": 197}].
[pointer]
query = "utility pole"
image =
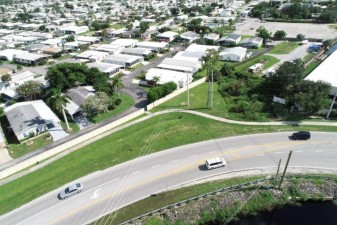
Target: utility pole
[
  {"x": 188, "y": 91},
  {"x": 212, "y": 90},
  {"x": 332, "y": 103},
  {"x": 285, "y": 169},
  {"x": 278, "y": 170}
]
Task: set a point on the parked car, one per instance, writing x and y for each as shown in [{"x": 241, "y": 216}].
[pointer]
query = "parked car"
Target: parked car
[
  {"x": 215, "y": 163},
  {"x": 301, "y": 135},
  {"x": 71, "y": 190}
]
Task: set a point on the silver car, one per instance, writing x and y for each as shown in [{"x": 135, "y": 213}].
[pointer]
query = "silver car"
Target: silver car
[{"x": 71, "y": 190}]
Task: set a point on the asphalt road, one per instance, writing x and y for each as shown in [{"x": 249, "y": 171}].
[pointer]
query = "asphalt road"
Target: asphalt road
[{"x": 108, "y": 190}]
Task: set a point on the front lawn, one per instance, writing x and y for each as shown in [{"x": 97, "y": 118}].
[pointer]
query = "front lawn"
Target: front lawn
[
  {"x": 127, "y": 102},
  {"x": 135, "y": 67},
  {"x": 284, "y": 48},
  {"x": 125, "y": 145},
  {"x": 17, "y": 150},
  {"x": 266, "y": 60}
]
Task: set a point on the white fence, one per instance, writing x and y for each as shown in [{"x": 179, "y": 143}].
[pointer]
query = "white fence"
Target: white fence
[{"x": 32, "y": 161}]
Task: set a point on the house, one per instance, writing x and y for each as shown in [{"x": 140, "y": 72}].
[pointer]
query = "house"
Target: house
[
  {"x": 88, "y": 40},
  {"x": 54, "y": 52},
  {"x": 167, "y": 36},
  {"x": 147, "y": 35},
  {"x": 30, "y": 118},
  {"x": 144, "y": 52},
  {"x": 236, "y": 54},
  {"x": 180, "y": 65},
  {"x": 107, "y": 68},
  {"x": 226, "y": 12},
  {"x": 124, "y": 61},
  {"x": 188, "y": 36},
  {"x": 30, "y": 58},
  {"x": 212, "y": 37},
  {"x": 92, "y": 56},
  {"x": 189, "y": 56},
  {"x": 110, "y": 48},
  {"x": 230, "y": 40},
  {"x": 7, "y": 89},
  {"x": 165, "y": 76},
  {"x": 125, "y": 43},
  {"x": 326, "y": 71},
  {"x": 73, "y": 29},
  {"x": 201, "y": 48},
  {"x": 254, "y": 42},
  {"x": 154, "y": 46},
  {"x": 77, "y": 97},
  {"x": 8, "y": 54}
]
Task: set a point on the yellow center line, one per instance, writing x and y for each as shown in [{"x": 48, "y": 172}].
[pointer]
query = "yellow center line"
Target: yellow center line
[{"x": 235, "y": 152}]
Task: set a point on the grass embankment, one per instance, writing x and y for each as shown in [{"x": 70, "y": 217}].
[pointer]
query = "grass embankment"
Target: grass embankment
[
  {"x": 310, "y": 67},
  {"x": 123, "y": 146},
  {"x": 164, "y": 199},
  {"x": 284, "y": 48}
]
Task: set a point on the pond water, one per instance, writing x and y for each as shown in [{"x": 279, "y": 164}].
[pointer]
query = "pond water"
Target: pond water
[{"x": 309, "y": 213}]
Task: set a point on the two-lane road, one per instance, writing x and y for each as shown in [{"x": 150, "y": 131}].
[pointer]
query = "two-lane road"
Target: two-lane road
[{"x": 108, "y": 190}]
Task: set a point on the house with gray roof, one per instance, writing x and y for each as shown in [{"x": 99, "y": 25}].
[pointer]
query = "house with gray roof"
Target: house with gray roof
[
  {"x": 77, "y": 97},
  {"x": 230, "y": 40},
  {"x": 107, "y": 68},
  {"x": 144, "y": 52},
  {"x": 30, "y": 118},
  {"x": 30, "y": 58},
  {"x": 188, "y": 36},
  {"x": 124, "y": 61},
  {"x": 254, "y": 42}
]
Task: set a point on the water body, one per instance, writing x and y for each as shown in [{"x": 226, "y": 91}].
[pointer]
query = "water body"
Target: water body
[{"x": 309, "y": 213}]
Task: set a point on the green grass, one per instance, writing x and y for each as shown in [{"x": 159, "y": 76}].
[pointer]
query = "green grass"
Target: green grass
[
  {"x": 74, "y": 127},
  {"x": 332, "y": 26},
  {"x": 135, "y": 67},
  {"x": 266, "y": 60},
  {"x": 308, "y": 57},
  {"x": 311, "y": 67},
  {"x": 116, "y": 26},
  {"x": 65, "y": 56},
  {"x": 164, "y": 199},
  {"x": 284, "y": 48},
  {"x": 123, "y": 146},
  {"x": 127, "y": 102},
  {"x": 17, "y": 150}
]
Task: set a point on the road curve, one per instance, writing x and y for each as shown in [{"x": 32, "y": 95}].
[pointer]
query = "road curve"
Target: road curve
[{"x": 108, "y": 190}]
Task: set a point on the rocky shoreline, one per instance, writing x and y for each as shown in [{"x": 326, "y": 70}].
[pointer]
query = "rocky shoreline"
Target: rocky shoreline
[{"x": 238, "y": 201}]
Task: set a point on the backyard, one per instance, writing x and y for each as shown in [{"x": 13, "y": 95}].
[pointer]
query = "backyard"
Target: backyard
[{"x": 284, "y": 48}]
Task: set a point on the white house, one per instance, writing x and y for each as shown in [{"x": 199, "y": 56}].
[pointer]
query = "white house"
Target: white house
[
  {"x": 110, "y": 48},
  {"x": 189, "y": 36},
  {"x": 201, "y": 48},
  {"x": 8, "y": 89},
  {"x": 107, "y": 68},
  {"x": 73, "y": 29},
  {"x": 189, "y": 56},
  {"x": 236, "y": 54},
  {"x": 92, "y": 56},
  {"x": 125, "y": 43},
  {"x": 254, "y": 42},
  {"x": 165, "y": 76},
  {"x": 180, "y": 65},
  {"x": 124, "y": 61},
  {"x": 167, "y": 36},
  {"x": 154, "y": 46},
  {"x": 326, "y": 71},
  {"x": 31, "y": 117},
  {"x": 9, "y": 54}
]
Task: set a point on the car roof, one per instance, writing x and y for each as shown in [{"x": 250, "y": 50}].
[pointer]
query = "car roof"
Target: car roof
[{"x": 214, "y": 160}]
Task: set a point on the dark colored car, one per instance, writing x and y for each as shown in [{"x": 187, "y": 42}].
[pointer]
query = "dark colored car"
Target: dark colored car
[{"x": 301, "y": 135}]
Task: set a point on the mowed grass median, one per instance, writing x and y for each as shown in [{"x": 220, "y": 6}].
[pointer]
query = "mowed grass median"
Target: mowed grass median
[{"x": 153, "y": 135}]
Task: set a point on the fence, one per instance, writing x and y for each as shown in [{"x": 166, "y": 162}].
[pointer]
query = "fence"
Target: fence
[{"x": 87, "y": 136}]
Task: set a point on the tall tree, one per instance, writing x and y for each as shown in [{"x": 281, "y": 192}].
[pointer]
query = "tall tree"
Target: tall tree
[
  {"x": 58, "y": 101},
  {"x": 117, "y": 84},
  {"x": 263, "y": 33},
  {"x": 30, "y": 90},
  {"x": 6, "y": 78}
]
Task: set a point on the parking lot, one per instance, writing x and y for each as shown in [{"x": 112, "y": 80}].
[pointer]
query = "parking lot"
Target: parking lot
[{"x": 310, "y": 30}]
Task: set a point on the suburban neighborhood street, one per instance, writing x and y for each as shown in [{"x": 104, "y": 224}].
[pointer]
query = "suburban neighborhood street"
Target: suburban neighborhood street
[{"x": 108, "y": 190}]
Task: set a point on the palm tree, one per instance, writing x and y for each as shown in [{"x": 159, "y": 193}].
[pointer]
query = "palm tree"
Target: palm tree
[
  {"x": 58, "y": 101},
  {"x": 117, "y": 84},
  {"x": 156, "y": 80}
]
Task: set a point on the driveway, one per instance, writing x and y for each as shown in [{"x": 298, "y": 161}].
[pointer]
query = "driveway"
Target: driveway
[
  {"x": 56, "y": 131},
  {"x": 4, "y": 155},
  {"x": 297, "y": 53},
  {"x": 82, "y": 122}
]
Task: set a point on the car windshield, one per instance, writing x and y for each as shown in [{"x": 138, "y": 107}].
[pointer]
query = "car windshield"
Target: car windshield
[{"x": 67, "y": 190}]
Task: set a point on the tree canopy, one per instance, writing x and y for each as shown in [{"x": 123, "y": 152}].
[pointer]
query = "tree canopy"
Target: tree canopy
[{"x": 30, "y": 90}]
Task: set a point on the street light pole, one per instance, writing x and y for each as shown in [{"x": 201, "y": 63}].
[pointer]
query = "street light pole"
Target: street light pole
[
  {"x": 188, "y": 91},
  {"x": 332, "y": 103}
]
